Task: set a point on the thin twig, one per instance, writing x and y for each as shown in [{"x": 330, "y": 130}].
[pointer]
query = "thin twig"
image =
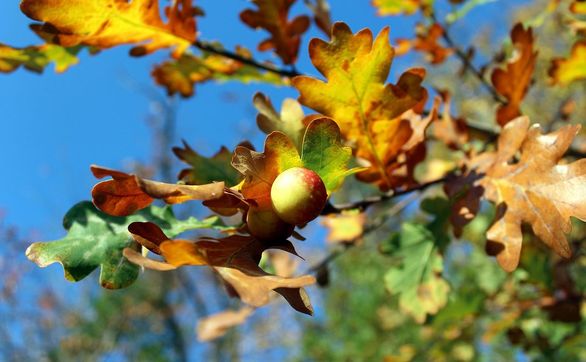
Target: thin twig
[
  {"x": 378, "y": 222},
  {"x": 369, "y": 201},
  {"x": 210, "y": 48},
  {"x": 467, "y": 63}
]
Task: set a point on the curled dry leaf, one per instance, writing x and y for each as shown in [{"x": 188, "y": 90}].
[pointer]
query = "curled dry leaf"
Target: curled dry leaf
[
  {"x": 107, "y": 23},
  {"x": 37, "y": 58},
  {"x": 564, "y": 71},
  {"x": 271, "y": 15},
  {"x": 355, "y": 96},
  {"x": 427, "y": 41},
  {"x": 514, "y": 81},
  {"x": 236, "y": 260},
  {"x": 125, "y": 194},
  {"x": 216, "y": 325}
]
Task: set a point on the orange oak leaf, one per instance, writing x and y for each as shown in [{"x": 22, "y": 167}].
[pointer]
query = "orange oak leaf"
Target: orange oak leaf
[
  {"x": 564, "y": 71},
  {"x": 453, "y": 132},
  {"x": 427, "y": 41},
  {"x": 107, "y": 23},
  {"x": 216, "y": 325},
  {"x": 125, "y": 194},
  {"x": 514, "y": 81},
  {"x": 537, "y": 189},
  {"x": 366, "y": 109},
  {"x": 234, "y": 258},
  {"x": 271, "y": 15},
  {"x": 289, "y": 121}
]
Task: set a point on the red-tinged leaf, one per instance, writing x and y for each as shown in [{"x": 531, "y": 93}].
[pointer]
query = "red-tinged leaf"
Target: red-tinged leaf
[
  {"x": 272, "y": 16},
  {"x": 514, "y": 81},
  {"x": 235, "y": 258},
  {"x": 321, "y": 14},
  {"x": 125, "y": 194}
]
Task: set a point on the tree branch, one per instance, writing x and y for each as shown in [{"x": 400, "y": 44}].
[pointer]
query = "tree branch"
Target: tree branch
[
  {"x": 367, "y": 202},
  {"x": 467, "y": 63},
  {"x": 210, "y": 48}
]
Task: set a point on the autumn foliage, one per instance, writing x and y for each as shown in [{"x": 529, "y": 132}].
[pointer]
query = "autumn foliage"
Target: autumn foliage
[{"x": 363, "y": 129}]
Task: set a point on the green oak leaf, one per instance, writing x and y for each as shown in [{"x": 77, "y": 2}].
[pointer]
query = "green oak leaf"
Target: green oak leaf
[
  {"x": 95, "y": 239},
  {"x": 37, "y": 58},
  {"x": 417, "y": 279},
  {"x": 206, "y": 170},
  {"x": 323, "y": 152}
]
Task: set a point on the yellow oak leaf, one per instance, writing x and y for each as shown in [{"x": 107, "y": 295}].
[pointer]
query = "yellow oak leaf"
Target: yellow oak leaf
[
  {"x": 355, "y": 94},
  {"x": 400, "y": 7},
  {"x": 565, "y": 71},
  {"x": 107, "y": 23}
]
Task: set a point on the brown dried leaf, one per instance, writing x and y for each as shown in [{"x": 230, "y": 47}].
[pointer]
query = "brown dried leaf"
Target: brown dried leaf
[
  {"x": 427, "y": 41},
  {"x": 537, "y": 190},
  {"x": 451, "y": 131},
  {"x": 125, "y": 194}
]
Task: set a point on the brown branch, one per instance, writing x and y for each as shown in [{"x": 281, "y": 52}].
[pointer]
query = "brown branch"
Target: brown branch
[{"x": 210, "y": 48}]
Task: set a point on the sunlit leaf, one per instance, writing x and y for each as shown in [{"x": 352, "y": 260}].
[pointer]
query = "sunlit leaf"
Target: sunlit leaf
[
  {"x": 37, "y": 58},
  {"x": 564, "y": 71},
  {"x": 96, "y": 240},
  {"x": 107, "y": 23}
]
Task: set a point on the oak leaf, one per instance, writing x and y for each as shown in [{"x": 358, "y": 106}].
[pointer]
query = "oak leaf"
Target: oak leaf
[
  {"x": 514, "y": 81},
  {"x": 321, "y": 14},
  {"x": 356, "y": 97},
  {"x": 417, "y": 279},
  {"x": 427, "y": 41},
  {"x": 578, "y": 7},
  {"x": 346, "y": 227},
  {"x": 96, "y": 240},
  {"x": 182, "y": 74},
  {"x": 272, "y": 15},
  {"x": 401, "y": 7},
  {"x": 107, "y": 23},
  {"x": 289, "y": 121},
  {"x": 216, "y": 325},
  {"x": 125, "y": 194},
  {"x": 234, "y": 258},
  {"x": 37, "y": 58},
  {"x": 322, "y": 152},
  {"x": 564, "y": 71},
  {"x": 206, "y": 170},
  {"x": 453, "y": 132},
  {"x": 537, "y": 190}
]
